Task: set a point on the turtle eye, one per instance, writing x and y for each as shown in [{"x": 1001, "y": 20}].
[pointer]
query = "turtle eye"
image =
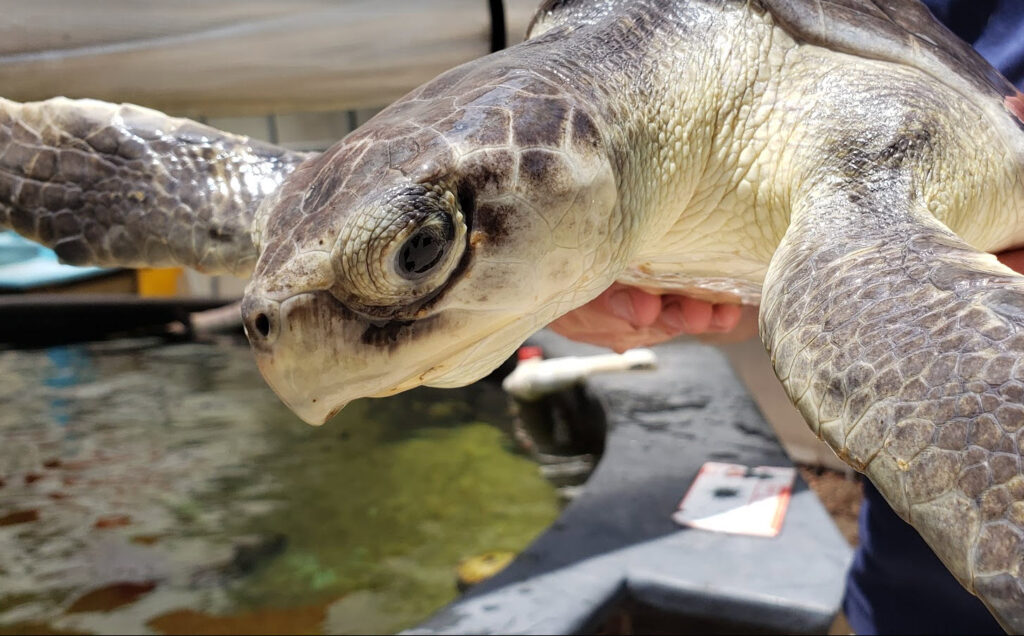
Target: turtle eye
[
  {"x": 425, "y": 249},
  {"x": 399, "y": 252}
]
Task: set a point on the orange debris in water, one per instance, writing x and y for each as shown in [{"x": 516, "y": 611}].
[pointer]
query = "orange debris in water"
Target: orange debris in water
[
  {"x": 21, "y": 516},
  {"x": 111, "y": 597},
  {"x": 112, "y": 521},
  {"x": 146, "y": 539},
  {"x": 292, "y": 620}
]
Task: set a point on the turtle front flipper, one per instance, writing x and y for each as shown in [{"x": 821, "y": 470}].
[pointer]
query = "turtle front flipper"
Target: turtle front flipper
[
  {"x": 903, "y": 348},
  {"x": 111, "y": 184}
]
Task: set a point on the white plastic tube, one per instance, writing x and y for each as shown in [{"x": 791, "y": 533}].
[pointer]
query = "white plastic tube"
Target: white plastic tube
[{"x": 535, "y": 378}]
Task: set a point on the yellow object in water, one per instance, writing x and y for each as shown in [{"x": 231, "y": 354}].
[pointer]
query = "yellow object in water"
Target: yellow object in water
[
  {"x": 481, "y": 567},
  {"x": 159, "y": 281}
]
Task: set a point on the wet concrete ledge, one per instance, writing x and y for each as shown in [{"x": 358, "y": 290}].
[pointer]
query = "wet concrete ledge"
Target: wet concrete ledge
[{"x": 616, "y": 543}]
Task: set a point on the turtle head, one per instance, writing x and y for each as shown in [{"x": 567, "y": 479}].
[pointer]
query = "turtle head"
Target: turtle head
[{"x": 422, "y": 249}]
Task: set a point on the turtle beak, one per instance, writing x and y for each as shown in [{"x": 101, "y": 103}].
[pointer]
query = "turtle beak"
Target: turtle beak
[{"x": 311, "y": 410}]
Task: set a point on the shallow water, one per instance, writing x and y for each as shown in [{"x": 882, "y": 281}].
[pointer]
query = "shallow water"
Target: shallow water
[{"x": 156, "y": 488}]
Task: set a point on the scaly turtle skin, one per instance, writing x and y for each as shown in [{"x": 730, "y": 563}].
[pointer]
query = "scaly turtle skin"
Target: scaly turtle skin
[{"x": 845, "y": 164}]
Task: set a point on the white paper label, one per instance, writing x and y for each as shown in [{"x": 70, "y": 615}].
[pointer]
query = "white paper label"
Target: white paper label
[{"x": 737, "y": 499}]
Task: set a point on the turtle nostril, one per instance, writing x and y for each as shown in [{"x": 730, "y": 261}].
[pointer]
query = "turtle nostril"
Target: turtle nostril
[
  {"x": 262, "y": 319},
  {"x": 262, "y": 324}
]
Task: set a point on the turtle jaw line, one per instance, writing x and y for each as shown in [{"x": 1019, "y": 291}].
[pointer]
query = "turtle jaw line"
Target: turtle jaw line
[{"x": 316, "y": 411}]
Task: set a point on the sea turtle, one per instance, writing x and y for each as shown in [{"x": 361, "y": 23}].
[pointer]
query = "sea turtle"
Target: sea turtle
[{"x": 846, "y": 164}]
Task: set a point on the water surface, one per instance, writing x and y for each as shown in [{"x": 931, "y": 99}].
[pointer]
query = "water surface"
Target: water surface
[{"x": 164, "y": 488}]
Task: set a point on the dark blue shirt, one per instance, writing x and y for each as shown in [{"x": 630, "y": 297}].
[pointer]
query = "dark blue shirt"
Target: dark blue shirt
[{"x": 994, "y": 27}]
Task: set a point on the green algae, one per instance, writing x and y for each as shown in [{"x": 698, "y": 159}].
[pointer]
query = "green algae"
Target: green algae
[{"x": 394, "y": 515}]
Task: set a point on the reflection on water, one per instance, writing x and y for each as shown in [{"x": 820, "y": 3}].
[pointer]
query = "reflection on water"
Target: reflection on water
[{"x": 165, "y": 489}]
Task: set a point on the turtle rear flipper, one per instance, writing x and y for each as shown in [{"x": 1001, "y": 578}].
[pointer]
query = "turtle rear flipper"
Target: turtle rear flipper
[
  {"x": 110, "y": 184},
  {"x": 902, "y": 346}
]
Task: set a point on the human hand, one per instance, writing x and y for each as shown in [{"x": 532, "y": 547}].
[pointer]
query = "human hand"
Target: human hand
[
  {"x": 623, "y": 317},
  {"x": 1013, "y": 259}
]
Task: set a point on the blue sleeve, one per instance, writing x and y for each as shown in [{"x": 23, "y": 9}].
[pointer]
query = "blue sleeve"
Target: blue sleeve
[{"x": 994, "y": 27}]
